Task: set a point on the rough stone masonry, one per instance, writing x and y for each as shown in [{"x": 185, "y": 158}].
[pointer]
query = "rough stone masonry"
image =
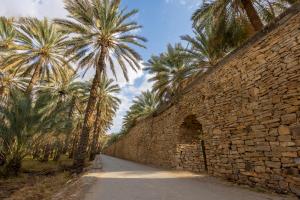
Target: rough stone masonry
[{"x": 241, "y": 121}]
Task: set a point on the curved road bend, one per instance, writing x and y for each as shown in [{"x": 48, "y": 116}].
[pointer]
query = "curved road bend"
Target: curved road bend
[{"x": 124, "y": 180}]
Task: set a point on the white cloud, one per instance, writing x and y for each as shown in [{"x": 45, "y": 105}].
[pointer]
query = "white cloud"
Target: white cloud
[
  {"x": 127, "y": 101},
  {"x": 132, "y": 75},
  {"x": 191, "y": 4},
  {"x": 35, "y": 8}
]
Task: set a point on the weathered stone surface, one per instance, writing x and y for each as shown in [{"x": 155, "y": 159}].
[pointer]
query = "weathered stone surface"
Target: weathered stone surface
[
  {"x": 290, "y": 154},
  {"x": 240, "y": 122},
  {"x": 284, "y": 130},
  {"x": 273, "y": 164},
  {"x": 285, "y": 138},
  {"x": 289, "y": 118},
  {"x": 296, "y": 132}
]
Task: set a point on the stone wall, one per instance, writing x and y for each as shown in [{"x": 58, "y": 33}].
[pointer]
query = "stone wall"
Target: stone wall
[{"x": 248, "y": 109}]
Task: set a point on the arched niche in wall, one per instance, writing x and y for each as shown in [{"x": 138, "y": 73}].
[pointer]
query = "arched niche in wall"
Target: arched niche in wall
[
  {"x": 190, "y": 130},
  {"x": 191, "y": 146}
]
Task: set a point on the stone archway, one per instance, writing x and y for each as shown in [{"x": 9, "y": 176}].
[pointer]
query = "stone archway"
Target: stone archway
[{"x": 190, "y": 149}]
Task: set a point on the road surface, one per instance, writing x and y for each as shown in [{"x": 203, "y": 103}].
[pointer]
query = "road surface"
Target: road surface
[{"x": 124, "y": 180}]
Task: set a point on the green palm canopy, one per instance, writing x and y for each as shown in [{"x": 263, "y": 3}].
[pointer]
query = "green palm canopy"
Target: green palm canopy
[
  {"x": 143, "y": 106},
  {"x": 103, "y": 35},
  {"x": 170, "y": 70},
  {"x": 40, "y": 47}
]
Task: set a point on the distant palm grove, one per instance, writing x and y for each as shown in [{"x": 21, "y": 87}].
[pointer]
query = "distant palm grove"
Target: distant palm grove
[{"x": 47, "y": 111}]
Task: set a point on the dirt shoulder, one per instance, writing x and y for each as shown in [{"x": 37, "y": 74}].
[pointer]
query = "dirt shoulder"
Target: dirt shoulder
[
  {"x": 76, "y": 188},
  {"x": 39, "y": 180}
]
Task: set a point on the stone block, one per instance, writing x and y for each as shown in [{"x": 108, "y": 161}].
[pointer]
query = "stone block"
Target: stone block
[
  {"x": 296, "y": 132},
  {"x": 285, "y": 138},
  {"x": 273, "y": 164},
  {"x": 260, "y": 169},
  {"x": 290, "y": 154},
  {"x": 284, "y": 130},
  {"x": 289, "y": 118},
  {"x": 262, "y": 148},
  {"x": 287, "y": 144}
]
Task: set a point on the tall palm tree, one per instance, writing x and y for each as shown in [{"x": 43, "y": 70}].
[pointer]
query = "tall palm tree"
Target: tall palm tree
[
  {"x": 106, "y": 107},
  {"x": 102, "y": 37},
  {"x": 252, "y": 14},
  {"x": 41, "y": 51},
  {"x": 170, "y": 70},
  {"x": 143, "y": 106},
  {"x": 269, "y": 9},
  {"x": 218, "y": 13}
]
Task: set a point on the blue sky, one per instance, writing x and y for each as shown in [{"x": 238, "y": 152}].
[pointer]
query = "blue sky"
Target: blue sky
[{"x": 163, "y": 21}]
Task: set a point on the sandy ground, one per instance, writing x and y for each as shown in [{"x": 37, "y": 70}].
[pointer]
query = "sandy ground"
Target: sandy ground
[{"x": 124, "y": 180}]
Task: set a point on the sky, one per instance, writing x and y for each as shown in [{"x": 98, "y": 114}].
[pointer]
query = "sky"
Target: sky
[{"x": 163, "y": 21}]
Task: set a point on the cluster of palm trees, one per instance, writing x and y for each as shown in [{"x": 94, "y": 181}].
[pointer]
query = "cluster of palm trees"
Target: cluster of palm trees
[
  {"x": 219, "y": 26},
  {"x": 45, "y": 108}
]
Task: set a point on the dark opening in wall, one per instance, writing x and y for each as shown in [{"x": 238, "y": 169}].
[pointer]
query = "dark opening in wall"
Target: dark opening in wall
[
  {"x": 190, "y": 130},
  {"x": 192, "y": 144}
]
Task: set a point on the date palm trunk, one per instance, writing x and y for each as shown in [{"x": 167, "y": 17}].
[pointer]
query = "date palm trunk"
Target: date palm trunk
[
  {"x": 67, "y": 140},
  {"x": 95, "y": 135},
  {"x": 34, "y": 78},
  {"x": 47, "y": 152},
  {"x": 73, "y": 147},
  {"x": 66, "y": 144},
  {"x": 252, "y": 15},
  {"x": 36, "y": 152},
  {"x": 81, "y": 152},
  {"x": 2, "y": 89},
  {"x": 58, "y": 152}
]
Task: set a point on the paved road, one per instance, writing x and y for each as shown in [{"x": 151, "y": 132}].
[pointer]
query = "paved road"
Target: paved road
[{"x": 124, "y": 180}]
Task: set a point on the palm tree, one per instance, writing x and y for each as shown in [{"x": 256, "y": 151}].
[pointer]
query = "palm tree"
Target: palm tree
[
  {"x": 170, "y": 70},
  {"x": 203, "y": 50},
  {"x": 219, "y": 12},
  {"x": 7, "y": 34},
  {"x": 56, "y": 107},
  {"x": 10, "y": 81},
  {"x": 41, "y": 48},
  {"x": 68, "y": 94},
  {"x": 222, "y": 13},
  {"x": 106, "y": 107},
  {"x": 102, "y": 37},
  {"x": 252, "y": 14},
  {"x": 112, "y": 138},
  {"x": 269, "y": 9},
  {"x": 66, "y": 91},
  {"x": 22, "y": 120},
  {"x": 143, "y": 106}
]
